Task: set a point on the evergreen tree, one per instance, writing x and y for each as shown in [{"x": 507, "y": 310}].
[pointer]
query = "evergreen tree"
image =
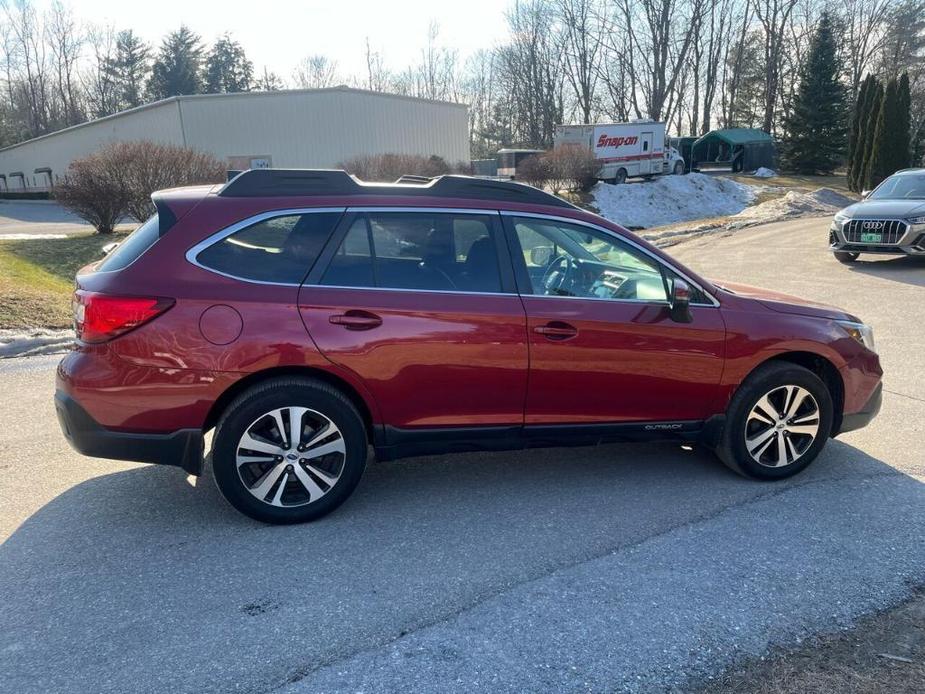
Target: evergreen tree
[
  {"x": 885, "y": 153},
  {"x": 904, "y": 135},
  {"x": 816, "y": 127},
  {"x": 857, "y": 136},
  {"x": 869, "y": 128},
  {"x": 128, "y": 69},
  {"x": 268, "y": 82},
  {"x": 178, "y": 65},
  {"x": 227, "y": 68}
]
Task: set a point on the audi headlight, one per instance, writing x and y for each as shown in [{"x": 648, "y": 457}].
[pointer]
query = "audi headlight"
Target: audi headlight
[
  {"x": 841, "y": 217},
  {"x": 861, "y": 332},
  {"x": 916, "y": 220}
]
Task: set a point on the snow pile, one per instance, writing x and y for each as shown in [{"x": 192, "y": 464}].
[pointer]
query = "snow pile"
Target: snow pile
[
  {"x": 27, "y": 343},
  {"x": 762, "y": 172},
  {"x": 821, "y": 202},
  {"x": 671, "y": 199}
]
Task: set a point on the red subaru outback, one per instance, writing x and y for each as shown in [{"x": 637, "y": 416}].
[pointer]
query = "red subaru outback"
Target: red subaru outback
[{"x": 304, "y": 315}]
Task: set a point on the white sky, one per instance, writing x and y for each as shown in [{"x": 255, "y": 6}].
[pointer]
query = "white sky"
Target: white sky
[{"x": 279, "y": 33}]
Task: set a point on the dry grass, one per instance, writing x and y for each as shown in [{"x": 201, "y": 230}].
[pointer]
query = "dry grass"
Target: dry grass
[
  {"x": 37, "y": 278},
  {"x": 854, "y": 662}
]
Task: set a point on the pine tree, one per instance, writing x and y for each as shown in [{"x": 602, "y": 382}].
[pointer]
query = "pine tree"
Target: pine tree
[
  {"x": 178, "y": 66},
  {"x": 870, "y": 126},
  {"x": 816, "y": 127},
  {"x": 858, "y": 135},
  {"x": 128, "y": 69},
  {"x": 904, "y": 135},
  {"x": 885, "y": 154},
  {"x": 227, "y": 68}
]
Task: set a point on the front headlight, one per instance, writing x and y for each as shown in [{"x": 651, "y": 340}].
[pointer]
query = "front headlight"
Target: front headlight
[
  {"x": 916, "y": 220},
  {"x": 861, "y": 332},
  {"x": 841, "y": 217}
]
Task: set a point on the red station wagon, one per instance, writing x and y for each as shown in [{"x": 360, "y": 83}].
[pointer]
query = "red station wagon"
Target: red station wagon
[{"x": 304, "y": 315}]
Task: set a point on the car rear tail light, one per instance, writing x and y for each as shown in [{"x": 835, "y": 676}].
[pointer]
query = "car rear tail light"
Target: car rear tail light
[{"x": 102, "y": 317}]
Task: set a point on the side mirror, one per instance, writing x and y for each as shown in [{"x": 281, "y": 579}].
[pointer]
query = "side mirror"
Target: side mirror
[
  {"x": 541, "y": 256},
  {"x": 864, "y": 194},
  {"x": 679, "y": 305}
]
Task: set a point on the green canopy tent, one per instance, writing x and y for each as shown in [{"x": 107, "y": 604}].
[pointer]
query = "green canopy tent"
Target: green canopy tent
[{"x": 738, "y": 149}]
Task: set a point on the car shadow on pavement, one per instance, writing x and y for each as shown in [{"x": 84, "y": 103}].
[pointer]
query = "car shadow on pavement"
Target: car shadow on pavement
[
  {"x": 130, "y": 570},
  {"x": 906, "y": 269}
]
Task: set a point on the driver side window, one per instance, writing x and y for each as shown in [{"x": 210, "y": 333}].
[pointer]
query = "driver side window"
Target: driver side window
[{"x": 577, "y": 261}]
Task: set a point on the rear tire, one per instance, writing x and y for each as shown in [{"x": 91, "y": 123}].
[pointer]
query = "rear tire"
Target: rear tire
[
  {"x": 269, "y": 431},
  {"x": 777, "y": 422},
  {"x": 620, "y": 177},
  {"x": 846, "y": 257}
]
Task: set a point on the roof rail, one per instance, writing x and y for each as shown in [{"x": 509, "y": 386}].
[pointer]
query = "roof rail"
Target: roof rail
[{"x": 334, "y": 182}]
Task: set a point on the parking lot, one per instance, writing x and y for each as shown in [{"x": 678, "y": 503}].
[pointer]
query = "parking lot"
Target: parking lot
[{"x": 622, "y": 567}]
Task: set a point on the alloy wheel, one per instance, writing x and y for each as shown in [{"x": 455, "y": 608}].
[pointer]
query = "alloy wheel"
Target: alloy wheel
[
  {"x": 290, "y": 456},
  {"x": 782, "y": 426}
]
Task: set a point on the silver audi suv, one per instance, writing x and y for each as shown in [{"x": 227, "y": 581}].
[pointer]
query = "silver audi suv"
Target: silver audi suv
[{"x": 889, "y": 220}]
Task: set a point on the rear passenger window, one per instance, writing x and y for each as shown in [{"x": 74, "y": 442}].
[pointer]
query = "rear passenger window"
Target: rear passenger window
[
  {"x": 442, "y": 252},
  {"x": 132, "y": 247},
  {"x": 280, "y": 249}
]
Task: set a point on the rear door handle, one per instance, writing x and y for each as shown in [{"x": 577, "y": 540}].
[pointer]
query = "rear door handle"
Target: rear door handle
[
  {"x": 556, "y": 330},
  {"x": 356, "y": 320}
]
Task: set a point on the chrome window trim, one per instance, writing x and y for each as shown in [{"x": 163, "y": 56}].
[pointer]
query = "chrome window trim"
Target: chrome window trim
[
  {"x": 192, "y": 253},
  {"x": 409, "y": 289},
  {"x": 630, "y": 242}
]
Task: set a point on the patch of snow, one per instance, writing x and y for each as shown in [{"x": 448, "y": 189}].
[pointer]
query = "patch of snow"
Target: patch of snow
[
  {"x": 763, "y": 172},
  {"x": 820, "y": 202},
  {"x": 671, "y": 199},
  {"x": 30, "y": 237},
  {"x": 28, "y": 343}
]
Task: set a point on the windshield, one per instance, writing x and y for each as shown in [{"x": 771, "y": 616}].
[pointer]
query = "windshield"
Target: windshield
[{"x": 901, "y": 187}]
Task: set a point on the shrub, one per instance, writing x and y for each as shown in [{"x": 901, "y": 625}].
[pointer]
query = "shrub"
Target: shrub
[
  {"x": 534, "y": 171},
  {"x": 386, "y": 168},
  {"x": 95, "y": 191},
  {"x": 572, "y": 168},
  {"x": 118, "y": 180}
]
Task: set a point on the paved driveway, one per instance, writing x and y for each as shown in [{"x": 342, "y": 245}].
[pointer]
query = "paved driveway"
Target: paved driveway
[
  {"x": 623, "y": 567},
  {"x": 31, "y": 218}
]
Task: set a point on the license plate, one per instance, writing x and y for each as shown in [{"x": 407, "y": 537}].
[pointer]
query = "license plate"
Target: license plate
[{"x": 871, "y": 237}]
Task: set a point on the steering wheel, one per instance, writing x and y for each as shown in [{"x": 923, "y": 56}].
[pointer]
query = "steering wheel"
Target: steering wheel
[
  {"x": 438, "y": 271},
  {"x": 560, "y": 273}
]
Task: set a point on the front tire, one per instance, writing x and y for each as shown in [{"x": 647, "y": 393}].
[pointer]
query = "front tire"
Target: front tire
[
  {"x": 846, "y": 257},
  {"x": 289, "y": 450},
  {"x": 679, "y": 168},
  {"x": 620, "y": 177},
  {"x": 777, "y": 422}
]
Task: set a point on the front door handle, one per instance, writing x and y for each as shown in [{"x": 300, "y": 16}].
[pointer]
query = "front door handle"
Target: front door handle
[
  {"x": 356, "y": 320},
  {"x": 557, "y": 330}
]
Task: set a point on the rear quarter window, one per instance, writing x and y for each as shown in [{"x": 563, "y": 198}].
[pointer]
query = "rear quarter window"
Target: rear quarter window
[
  {"x": 280, "y": 249},
  {"x": 132, "y": 247}
]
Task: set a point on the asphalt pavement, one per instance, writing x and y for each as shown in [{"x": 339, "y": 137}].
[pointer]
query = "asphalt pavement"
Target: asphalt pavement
[{"x": 617, "y": 568}]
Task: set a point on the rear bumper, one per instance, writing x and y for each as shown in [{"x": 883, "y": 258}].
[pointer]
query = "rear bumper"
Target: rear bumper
[
  {"x": 858, "y": 420},
  {"x": 182, "y": 448}
]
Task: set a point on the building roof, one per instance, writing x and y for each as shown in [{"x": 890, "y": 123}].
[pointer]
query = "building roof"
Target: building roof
[
  {"x": 739, "y": 136},
  {"x": 230, "y": 96}
]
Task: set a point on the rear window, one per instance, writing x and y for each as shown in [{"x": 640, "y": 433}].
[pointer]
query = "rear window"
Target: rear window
[
  {"x": 281, "y": 249},
  {"x": 132, "y": 248}
]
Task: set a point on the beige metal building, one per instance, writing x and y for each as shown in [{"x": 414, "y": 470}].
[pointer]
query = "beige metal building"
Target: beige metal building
[{"x": 297, "y": 129}]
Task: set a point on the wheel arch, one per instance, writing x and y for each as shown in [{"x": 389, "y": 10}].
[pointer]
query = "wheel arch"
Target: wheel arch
[
  {"x": 250, "y": 380},
  {"x": 819, "y": 365}
]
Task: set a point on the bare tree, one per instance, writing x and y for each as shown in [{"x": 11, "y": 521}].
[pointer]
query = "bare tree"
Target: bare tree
[
  {"x": 863, "y": 36},
  {"x": 774, "y": 16},
  {"x": 65, "y": 40},
  {"x": 316, "y": 72},
  {"x": 582, "y": 48},
  {"x": 377, "y": 76}
]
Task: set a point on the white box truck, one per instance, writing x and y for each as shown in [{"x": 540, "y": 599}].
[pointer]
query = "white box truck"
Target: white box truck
[{"x": 625, "y": 150}]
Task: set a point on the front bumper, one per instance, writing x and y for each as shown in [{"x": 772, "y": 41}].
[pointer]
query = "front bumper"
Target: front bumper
[
  {"x": 858, "y": 420},
  {"x": 912, "y": 242},
  {"x": 182, "y": 448}
]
